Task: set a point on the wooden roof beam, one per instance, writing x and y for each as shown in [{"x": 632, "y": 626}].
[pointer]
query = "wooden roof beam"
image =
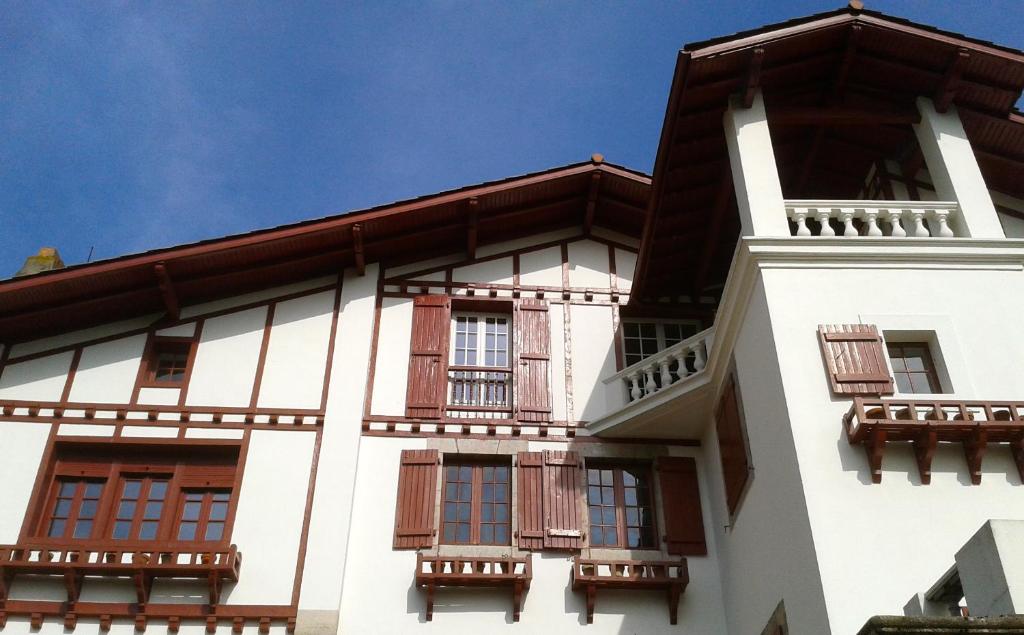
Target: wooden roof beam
[
  {"x": 753, "y": 76},
  {"x": 588, "y": 216},
  {"x": 801, "y": 116},
  {"x": 357, "y": 247},
  {"x": 950, "y": 82},
  {"x": 167, "y": 293}
]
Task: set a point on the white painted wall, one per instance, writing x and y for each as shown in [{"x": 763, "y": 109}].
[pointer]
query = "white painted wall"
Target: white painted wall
[
  {"x": 293, "y": 376},
  {"x": 497, "y": 271},
  {"x": 542, "y": 268},
  {"x": 225, "y": 366},
  {"x": 40, "y": 379},
  {"x": 882, "y": 543},
  {"x": 24, "y": 444},
  {"x": 106, "y": 372},
  {"x": 589, "y": 265},
  {"x": 593, "y": 358},
  {"x": 559, "y": 401},
  {"x": 625, "y": 265},
  {"x": 392, "y": 368},
  {"x": 268, "y": 523}
]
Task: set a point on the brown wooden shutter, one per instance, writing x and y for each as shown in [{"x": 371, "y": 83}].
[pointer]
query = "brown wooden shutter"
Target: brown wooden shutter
[
  {"x": 530, "y": 483},
  {"x": 533, "y": 337},
  {"x": 428, "y": 357},
  {"x": 855, "y": 359},
  {"x": 732, "y": 445},
  {"x": 417, "y": 488},
  {"x": 680, "y": 498},
  {"x": 563, "y": 526}
]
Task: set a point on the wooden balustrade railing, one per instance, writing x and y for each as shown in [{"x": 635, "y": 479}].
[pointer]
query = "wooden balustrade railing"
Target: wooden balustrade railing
[
  {"x": 871, "y": 218},
  {"x": 455, "y": 571},
  {"x": 479, "y": 392},
  {"x": 872, "y": 422},
  {"x": 677, "y": 363},
  {"x": 670, "y": 576},
  {"x": 76, "y": 562}
]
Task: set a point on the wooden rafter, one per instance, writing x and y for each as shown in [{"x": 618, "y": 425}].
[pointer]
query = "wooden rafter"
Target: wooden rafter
[
  {"x": 588, "y": 217},
  {"x": 753, "y": 77},
  {"x": 946, "y": 92},
  {"x": 472, "y": 227},
  {"x": 167, "y": 293},
  {"x": 357, "y": 248}
]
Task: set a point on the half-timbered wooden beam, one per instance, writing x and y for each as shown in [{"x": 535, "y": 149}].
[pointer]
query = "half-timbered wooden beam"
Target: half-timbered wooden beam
[
  {"x": 167, "y": 293},
  {"x": 357, "y": 248},
  {"x": 588, "y": 216},
  {"x": 753, "y": 77},
  {"x": 472, "y": 227},
  {"x": 950, "y": 82},
  {"x": 712, "y": 235}
]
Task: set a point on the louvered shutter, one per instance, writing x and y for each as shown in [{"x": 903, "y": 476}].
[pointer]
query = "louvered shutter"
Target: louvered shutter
[
  {"x": 680, "y": 499},
  {"x": 855, "y": 359},
  {"x": 530, "y": 483},
  {"x": 417, "y": 488},
  {"x": 562, "y": 518},
  {"x": 732, "y": 445},
  {"x": 428, "y": 357},
  {"x": 533, "y": 337}
]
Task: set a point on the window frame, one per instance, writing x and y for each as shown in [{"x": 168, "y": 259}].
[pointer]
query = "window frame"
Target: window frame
[
  {"x": 931, "y": 370},
  {"x": 115, "y": 463},
  {"x": 621, "y": 527},
  {"x": 477, "y": 465},
  {"x": 480, "y": 339},
  {"x": 151, "y": 361},
  {"x": 659, "y": 325}
]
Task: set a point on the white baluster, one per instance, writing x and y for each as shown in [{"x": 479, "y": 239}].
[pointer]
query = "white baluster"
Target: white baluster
[
  {"x": 649, "y": 385},
  {"x": 871, "y": 219},
  {"x": 846, "y": 218},
  {"x": 822, "y": 216},
  {"x": 683, "y": 371},
  {"x": 800, "y": 218},
  {"x": 940, "y": 216},
  {"x": 666, "y": 372},
  {"x": 634, "y": 391},
  {"x": 893, "y": 216},
  {"x": 700, "y": 359},
  {"x": 917, "y": 218}
]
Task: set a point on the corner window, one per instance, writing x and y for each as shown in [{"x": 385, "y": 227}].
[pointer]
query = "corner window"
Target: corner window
[
  {"x": 620, "y": 506},
  {"x": 913, "y": 367},
  {"x": 475, "y": 504},
  {"x": 641, "y": 339}
]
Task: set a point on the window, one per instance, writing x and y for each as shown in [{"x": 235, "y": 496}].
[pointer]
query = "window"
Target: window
[
  {"x": 138, "y": 495},
  {"x": 168, "y": 361},
  {"x": 619, "y": 505},
  {"x": 643, "y": 339},
  {"x": 913, "y": 368},
  {"x": 476, "y": 504},
  {"x": 480, "y": 341}
]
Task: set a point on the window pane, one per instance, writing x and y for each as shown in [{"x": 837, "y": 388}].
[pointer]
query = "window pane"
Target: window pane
[
  {"x": 88, "y": 509},
  {"x": 487, "y": 534},
  {"x": 449, "y": 533},
  {"x": 131, "y": 489},
  {"x": 187, "y": 531},
  {"x": 501, "y": 513},
  {"x": 449, "y": 512},
  {"x": 63, "y": 508},
  {"x": 83, "y": 529},
  {"x": 126, "y": 510},
  {"x": 222, "y": 497},
  {"x": 488, "y": 493},
  {"x": 903, "y": 383},
  {"x": 153, "y": 511},
  {"x": 56, "y": 529},
  {"x": 218, "y": 511},
  {"x": 214, "y": 531},
  {"x": 93, "y": 490},
  {"x": 157, "y": 490},
  {"x": 67, "y": 488},
  {"x": 148, "y": 530},
  {"x": 606, "y": 477},
  {"x": 462, "y": 535},
  {"x": 122, "y": 529},
  {"x": 633, "y": 537},
  {"x": 611, "y": 536},
  {"x": 597, "y": 536},
  {"x": 464, "y": 512},
  {"x": 501, "y": 534},
  {"x": 191, "y": 511}
]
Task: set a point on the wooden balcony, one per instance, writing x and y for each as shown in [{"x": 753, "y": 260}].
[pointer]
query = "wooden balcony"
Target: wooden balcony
[
  {"x": 872, "y": 422},
  {"x": 897, "y": 219},
  {"x": 75, "y": 563},
  {"x": 641, "y": 575},
  {"x": 476, "y": 392},
  {"x": 448, "y": 571}
]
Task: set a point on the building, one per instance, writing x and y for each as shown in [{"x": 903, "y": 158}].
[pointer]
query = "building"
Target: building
[{"x": 772, "y": 388}]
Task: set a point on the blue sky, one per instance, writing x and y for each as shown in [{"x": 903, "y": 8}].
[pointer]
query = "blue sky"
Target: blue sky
[{"x": 130, "y": 126}]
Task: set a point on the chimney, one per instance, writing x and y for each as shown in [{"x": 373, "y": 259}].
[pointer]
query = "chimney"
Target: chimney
[{"x": 46, "y": 260}]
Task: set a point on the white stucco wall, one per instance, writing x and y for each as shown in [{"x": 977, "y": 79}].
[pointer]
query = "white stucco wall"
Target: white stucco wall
[
  {"x": 392, "y": 367},
  {"x": 497, "y": 271},
  {"x": 589, "y": 264},
  {"x": 881, "y": 543},
  {"x": 106, "y": 372},
  {"x": 593, "y": 358},
  {"x": 23, "y": 445},
  {"x": 542, "y": 268},
  {"x": 293, "y": 375},
  {"x": 40, "y": 379},
  {"x": 225, "y": 366}
]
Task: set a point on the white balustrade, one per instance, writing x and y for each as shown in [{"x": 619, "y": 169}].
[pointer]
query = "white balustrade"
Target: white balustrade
[
  {"x": 921, "y": 219},
  {"x": 665, "y": 368}
]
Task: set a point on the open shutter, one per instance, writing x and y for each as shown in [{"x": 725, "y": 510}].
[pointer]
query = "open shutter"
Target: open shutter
[
  {"x": 530, "y": 483},
  {"x": 855, "y": 359},
  {"x": 428, "y": 357},
  {"x": 417, "y": 487},
  {"x": 680, "y": 498},
  {"x": 562, "y": 518},
  {"x": 732, "y": 445},
  {"x": 533, "y": 337}
]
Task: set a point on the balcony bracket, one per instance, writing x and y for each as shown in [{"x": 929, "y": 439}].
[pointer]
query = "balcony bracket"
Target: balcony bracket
[
  {"x": 974, "y": 451},
  {"x": 1017, "y": 449},
  {"x": 924, "y": 451},
  {"x": 874, "y": 445},
  {"x": 73, "y": 585},
  {"x": 436, "y": 571},
  {"x": 143, "y": 585},
  {"x": 642, "y": 575}
]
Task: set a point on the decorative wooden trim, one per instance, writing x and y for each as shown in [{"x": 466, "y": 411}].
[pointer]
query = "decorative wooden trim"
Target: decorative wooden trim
[
  {"x": 872, "y": 422},
  {"x": 75, "y": 361},
  {"x": 261, "y": 361},
  {"x": 300, "y": 561},
  {"x": 589, "y": 575},
  {"x": 437, "y": 571},
  {"x": 329, "y": 364}
]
